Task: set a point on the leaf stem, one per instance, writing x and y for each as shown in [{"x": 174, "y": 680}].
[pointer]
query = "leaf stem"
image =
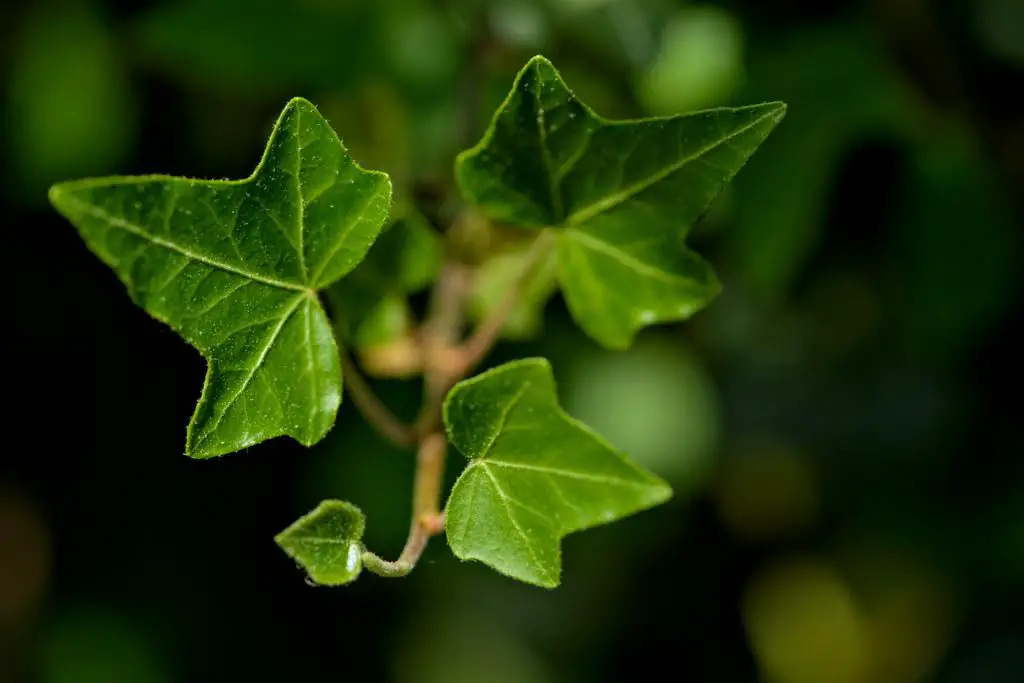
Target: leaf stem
[
  {"x": 483, "y": 339},
  {"x": 444, "y": 364},
  {"x": 427, "y": 519},
  {"x": 439, "y": 335},
  {"x": 440, "y": 331},
  {"x": 371, "y": 407}
]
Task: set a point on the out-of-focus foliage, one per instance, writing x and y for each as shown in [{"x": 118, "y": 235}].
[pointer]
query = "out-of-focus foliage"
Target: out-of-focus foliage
[
  {"x": 92, "y": 644},
  {"x": 841, "y": 426},
  {"x": 71, "y": 110}
]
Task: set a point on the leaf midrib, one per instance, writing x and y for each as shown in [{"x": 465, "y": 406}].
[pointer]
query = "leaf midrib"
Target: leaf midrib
[
  {"x": 138, "y": 231},
  {"x": 613, "y": 200},
  {"x": 506, "y": 501},
  {"x": 285, "y": 316},
  {"x": 625, "y": 258},
  {"x": 554, "y": 191},
  {"x": 320, "y": 540},
  {"x": 569, "y": 474}
]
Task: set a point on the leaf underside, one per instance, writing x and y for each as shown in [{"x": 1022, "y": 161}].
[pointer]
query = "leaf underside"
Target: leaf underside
[
  {"x": 535, "y": 474},
  {"x": 327, "y": 542},
  {"x": 622, "y": 196},
  {"x": 235, "y": 266}
]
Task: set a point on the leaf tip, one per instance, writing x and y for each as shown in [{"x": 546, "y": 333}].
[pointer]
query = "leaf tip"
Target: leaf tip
[
  {"x": 661, "y": 491},
  {"x": 59, "y": 195},
  {"x": 299, "y": 103},
  {"x": 538, "y": 60},
  {"x": 200, "y": 446}
]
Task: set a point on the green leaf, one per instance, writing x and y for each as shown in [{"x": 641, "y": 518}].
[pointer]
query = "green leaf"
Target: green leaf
[
  {"x": 621, "y": 195},
  {"x": 327, "y": 542},
  {"x": 235, "y": 266},
  {"x": 371, "y": 303},
  {"x": 534, "y": 475}
]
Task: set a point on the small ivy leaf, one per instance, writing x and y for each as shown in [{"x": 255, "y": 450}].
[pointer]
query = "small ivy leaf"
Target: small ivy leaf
[
  {"x": 327, "y": 542},
  {"x": 370, "y": 304},
  {"x": 534, "y": 474},
  {"x": 621, "y": 194},
  {"x": 235, "y": 267}
]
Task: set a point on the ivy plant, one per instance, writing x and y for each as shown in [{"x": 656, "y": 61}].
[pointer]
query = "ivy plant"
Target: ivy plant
[{"x": 279, "y": 278}]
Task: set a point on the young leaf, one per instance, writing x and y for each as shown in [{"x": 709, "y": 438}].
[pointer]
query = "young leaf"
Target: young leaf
[
  {"x": 534, "y": 475},
  {"x": 371, "y": 306},
  {"x": 235, "y": 266},
  {"x": 621, "y": 195},
  {"x": 327, "y": 542}
]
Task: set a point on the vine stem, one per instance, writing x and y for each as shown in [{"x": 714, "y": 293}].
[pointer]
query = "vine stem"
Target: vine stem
[
  {"x": 427, "y": 519},
  {"x": 441, "y": 329},
  {"x": 371, "y": 407},
  {"x": 440, "y": 334},
  {"x": 445, "y": 363},
  {"x": 483, "y": 339}
]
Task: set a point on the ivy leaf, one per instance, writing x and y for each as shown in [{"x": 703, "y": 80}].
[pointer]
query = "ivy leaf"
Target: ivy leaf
[
  {"x": 621, "y": 195},
  {"x": 235, "y": 267},
  {"x": 327, "y": 542},
  {"x": 534, "y": 475}
]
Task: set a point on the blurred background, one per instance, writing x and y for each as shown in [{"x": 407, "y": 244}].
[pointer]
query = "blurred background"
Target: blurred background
[{"x": 841, "y": 426}]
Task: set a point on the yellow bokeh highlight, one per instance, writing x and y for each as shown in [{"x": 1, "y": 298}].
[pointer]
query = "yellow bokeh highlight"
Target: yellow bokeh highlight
[
  {"x": 881, "y": 620},
  {"x": 25, "y": 559},
  {"x": 804, "y": 625}
]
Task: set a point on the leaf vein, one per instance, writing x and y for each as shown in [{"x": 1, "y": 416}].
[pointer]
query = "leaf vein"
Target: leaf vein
[
  {"x": 600, "y": 206},
  {"x": 259, "y": 362},
  {"x": 122, "y": 224}
]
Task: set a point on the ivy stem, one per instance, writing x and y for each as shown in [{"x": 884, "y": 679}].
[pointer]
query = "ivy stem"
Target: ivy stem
[
  {"x": 371, "y": 407},
  {"x": 440, "y": 333},
  {"x": 444, "y": 364},
  {"x": 427, "y": 518},
  {"x": 485, "y": 336}
]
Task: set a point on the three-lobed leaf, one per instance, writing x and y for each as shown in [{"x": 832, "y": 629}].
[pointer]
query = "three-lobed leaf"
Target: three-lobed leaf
[
  {"x": 235, "y": 267},
  {"x": 327, "y": 542},
  {"x": 535, "y": 474},
  {"x": 620, "y": 194}
]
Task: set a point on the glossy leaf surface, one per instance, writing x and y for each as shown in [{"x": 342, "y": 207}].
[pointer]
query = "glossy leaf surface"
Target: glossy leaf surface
[
  {"x": 235, "y": 267},
  {"x": 622, "y": 196},
  {"x": 327, "y": 542},
  {"x": 535, "y": 474}
]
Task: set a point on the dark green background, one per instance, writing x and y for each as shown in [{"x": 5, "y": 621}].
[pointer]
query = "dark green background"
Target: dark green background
[{"x": 842, "y": 426}]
